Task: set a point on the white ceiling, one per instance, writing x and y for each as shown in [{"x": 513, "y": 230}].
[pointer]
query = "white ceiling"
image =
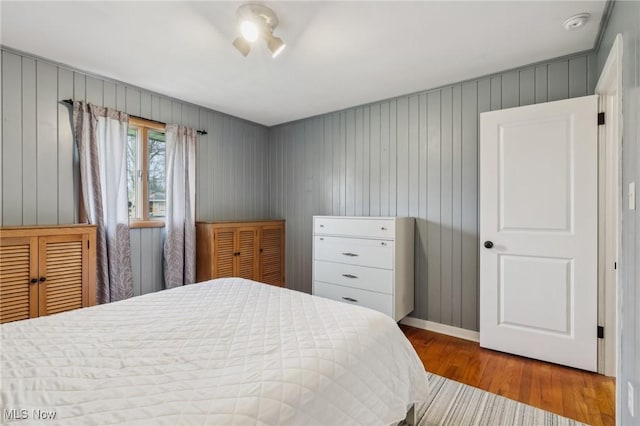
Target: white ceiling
[{"x": 339, "y": 54}]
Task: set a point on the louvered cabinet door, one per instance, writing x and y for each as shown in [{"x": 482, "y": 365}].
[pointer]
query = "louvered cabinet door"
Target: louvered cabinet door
[
  {"x": 272, "y": 254},
  {"x": 223, "y": 252},
  {"x": 247, "y": 248},
  {"x": 18, "y": 267},
  {"x": 63, "y": 272}
]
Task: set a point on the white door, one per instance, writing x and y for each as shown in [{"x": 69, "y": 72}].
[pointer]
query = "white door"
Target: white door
[{"x": 538, "y": 231}]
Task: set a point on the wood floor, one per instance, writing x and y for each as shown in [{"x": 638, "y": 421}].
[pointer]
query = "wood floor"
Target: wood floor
[{"x": 577, "y": 394}]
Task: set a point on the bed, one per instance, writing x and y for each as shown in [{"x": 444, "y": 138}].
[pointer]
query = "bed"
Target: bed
[{"x": 227, "y": 351}]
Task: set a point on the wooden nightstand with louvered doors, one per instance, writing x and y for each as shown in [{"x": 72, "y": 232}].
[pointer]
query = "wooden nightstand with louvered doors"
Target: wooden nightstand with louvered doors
[
  {"x": 365, "y": 261},
  {"x": 45, "y": 270}
]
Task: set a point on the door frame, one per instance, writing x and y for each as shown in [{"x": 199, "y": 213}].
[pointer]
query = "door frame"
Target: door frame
[{"x": 609, "y": 90}]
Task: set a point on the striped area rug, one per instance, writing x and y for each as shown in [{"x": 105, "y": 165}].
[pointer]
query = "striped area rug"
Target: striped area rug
[{"x": 454, "y": 403}]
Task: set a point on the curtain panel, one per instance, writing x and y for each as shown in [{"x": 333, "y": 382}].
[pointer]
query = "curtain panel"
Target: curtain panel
[
  {"x": 101, "y": 138},
  {"x": 179, "y": 247}
]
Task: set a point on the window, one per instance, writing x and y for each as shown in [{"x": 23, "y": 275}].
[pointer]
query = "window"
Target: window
[{"x": 146, "y": 173}]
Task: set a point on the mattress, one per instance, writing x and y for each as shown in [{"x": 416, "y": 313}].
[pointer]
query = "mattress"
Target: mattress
[{"x": 227, "y": 351}]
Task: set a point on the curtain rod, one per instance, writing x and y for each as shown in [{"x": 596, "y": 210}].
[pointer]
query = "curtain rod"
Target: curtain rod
[{"x": 200, "y": 132}]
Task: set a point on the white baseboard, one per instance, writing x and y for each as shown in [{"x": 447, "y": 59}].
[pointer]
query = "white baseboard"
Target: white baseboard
[{"x": 449, "y": 330}]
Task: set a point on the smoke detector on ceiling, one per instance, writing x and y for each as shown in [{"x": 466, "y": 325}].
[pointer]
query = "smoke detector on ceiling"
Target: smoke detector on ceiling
[{"x": 576, "y": 21}]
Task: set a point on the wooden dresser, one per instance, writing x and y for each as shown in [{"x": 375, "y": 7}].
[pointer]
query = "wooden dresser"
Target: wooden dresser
[
  {"x": 245, "y": 249},
  {"x": 366, "y": 261},
  {"x": 45, "y": 270}
]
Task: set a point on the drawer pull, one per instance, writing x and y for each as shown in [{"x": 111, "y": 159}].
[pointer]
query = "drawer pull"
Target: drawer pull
[
  {"x": 383, "y": 243},
  {"x": 321, "y": 226},
  {"x": 350, "y": 254},
  {"x": 383, "y": 228},
  {"x": 349, "y": 276},
  {"x": 350, "y": 299}
]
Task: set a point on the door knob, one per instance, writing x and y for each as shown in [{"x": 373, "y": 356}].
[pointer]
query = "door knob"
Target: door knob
[
  {"x": 43, "y": 279},
  {"x": 488, "y": 244},
  {"x": 34, "y": 280}
]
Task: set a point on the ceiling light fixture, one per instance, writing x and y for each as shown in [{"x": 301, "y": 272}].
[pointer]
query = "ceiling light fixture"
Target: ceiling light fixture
[
  {"x": 249, "y": 30},
  {"x": 576, "y": 21},
  {"x": 257, "y": 21}
]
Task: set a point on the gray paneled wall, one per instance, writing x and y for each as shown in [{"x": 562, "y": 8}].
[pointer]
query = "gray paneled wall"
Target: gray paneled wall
[
  {"x": 625, "y": 20},
  {"x": 415, "y": 155},
  {"x": 38, "y": 164}
]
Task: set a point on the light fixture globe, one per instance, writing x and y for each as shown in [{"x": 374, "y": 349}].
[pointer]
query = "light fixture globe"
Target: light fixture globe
[
  {"x": 275, "y": 44},
  {"x": 255, "y": 21},
  {"x": 242, "y": 45},
  {"x": 249, "y": 30}
]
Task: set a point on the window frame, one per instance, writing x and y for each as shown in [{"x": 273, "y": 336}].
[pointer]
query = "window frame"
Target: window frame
[{"x": 143, "y": 127}]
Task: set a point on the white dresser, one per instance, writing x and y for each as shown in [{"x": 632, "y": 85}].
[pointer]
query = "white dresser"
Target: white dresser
[{"x": 366, "y": 261}]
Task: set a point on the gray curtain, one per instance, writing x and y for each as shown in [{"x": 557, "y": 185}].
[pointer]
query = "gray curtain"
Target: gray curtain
[
  {"x": 179, "y": 246},
  {"x": 101, "y": 137}
]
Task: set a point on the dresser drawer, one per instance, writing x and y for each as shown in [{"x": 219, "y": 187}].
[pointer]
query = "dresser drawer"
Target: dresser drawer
[
  {"x": 362, "y": 277},
  {"x": 369, "y": 228},
  {"x": 354, "y": 251},
  {"x": 368, "y": 299}
]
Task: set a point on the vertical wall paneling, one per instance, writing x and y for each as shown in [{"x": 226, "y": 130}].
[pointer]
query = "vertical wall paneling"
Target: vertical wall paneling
[
  {"x": 121, "y": 97},
  {"x": 145, "y": 104},
  {"x": 374, "y": 161},
  {"x": 39, "y": 163},
  {"x": 385, "y": 159},
  {"x": 157, "y": 244},
  {"x": 558, "y": 80},
  {"x": 456, "y": 285},
  {"x": 542, "y": 88},
  {"x": 496, "y": 93},
  {"x": 366, "y": 161},
  {"x": 434, "y": 197},
  {"x": 2, "y": 135},
  {"x": 527, "y": 87},
  {"x": 147, "y": 261},
  {"x": 218, "y": 164},
  {"x": 29, "y": 146},
  {"x": 393, "y": 158},
  {"x": 413, "y": 123},
  {"x": 511, "y": 89},
  {"x": 109, "y": 95},
  {"x": 11, "y": 139},
  {"x": 176, "y": 112},
  {"x": 350, "y": 163},
  {"x": 592, "y": 72},
  {"x": 94, "y": 91},
  {"x": 578, "y": 83},
  {"x": 359, "y": 165},
  {"x": 470, "y": 205},
  {"x": 68, "y": 177},
  {"x": 47, "y": 141},
  {"x": 132, "y": 101},
  {"x": 165, "y": 110},
  {"x": 136, "y": 261},
  {"x": 421, "y": 233},
  {"x": 446, "y": 205},
  {"x": 402, "y": 171},
  {"x": 414, "y": 155}
]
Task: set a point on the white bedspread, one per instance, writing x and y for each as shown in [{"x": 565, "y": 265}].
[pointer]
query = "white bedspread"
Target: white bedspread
[{"x": 224, "y": 352}]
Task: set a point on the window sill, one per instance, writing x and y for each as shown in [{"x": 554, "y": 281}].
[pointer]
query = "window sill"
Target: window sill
[{"x": 135, "y": 224}]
